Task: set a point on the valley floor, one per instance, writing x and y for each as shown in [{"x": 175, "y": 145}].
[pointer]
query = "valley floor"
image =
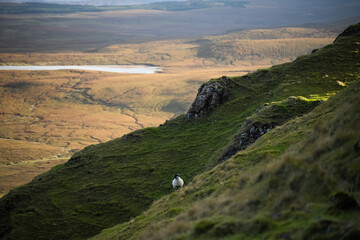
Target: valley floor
[{"x": 48, "y": 115}]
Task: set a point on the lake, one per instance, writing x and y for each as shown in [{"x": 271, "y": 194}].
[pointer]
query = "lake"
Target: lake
[{"x": 134, "y": 69}]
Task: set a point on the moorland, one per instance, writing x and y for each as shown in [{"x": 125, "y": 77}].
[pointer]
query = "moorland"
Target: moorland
[
  {"x": 46, "y": 116},
  {"x": 77, "y": 28},
  {"x": 273, "y": 154}
]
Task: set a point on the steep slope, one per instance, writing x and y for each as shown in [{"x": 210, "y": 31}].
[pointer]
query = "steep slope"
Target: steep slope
[
  {"x": 299, "y": 181},
  {"x": 109, "y": 183}
]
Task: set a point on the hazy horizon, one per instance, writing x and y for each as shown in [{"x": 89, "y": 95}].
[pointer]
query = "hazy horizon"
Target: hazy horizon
[{"x": 93, "y": 2}]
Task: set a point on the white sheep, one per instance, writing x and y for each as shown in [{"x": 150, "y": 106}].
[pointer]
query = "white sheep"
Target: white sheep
[{"x": 177, "y": 182}]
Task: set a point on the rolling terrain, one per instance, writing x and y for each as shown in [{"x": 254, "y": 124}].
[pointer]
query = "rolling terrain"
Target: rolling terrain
[
  {"x": 239, "y": 48},
  {"x": 46, "y": 116},
  {"x": 32, "y": 7},
  {"x": 85, "y": 28},
  {"x": 294, "y": 175}
]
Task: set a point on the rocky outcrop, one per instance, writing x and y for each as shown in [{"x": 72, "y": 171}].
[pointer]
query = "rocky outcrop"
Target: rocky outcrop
[
  {"x": 352, "y": 30},
  {"x": 252, "y": 131},
  {"x": 210, "y": 95},
  {"x": 314, "y": 51},
  {"x": 265, "y": 119}
]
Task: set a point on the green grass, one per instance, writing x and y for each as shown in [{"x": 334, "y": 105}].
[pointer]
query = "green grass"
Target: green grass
[
  {"x": 282, "y": 186},
  {"x": 249, "y": 195}
]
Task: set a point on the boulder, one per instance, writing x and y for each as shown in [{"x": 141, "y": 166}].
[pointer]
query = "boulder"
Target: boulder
[
  {"x": 252, "y": 131},
  {"x": 210, "y": 95}
]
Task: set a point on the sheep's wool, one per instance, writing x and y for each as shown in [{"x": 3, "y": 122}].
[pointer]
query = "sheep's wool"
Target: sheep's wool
[{"x": 177, "y": 183}]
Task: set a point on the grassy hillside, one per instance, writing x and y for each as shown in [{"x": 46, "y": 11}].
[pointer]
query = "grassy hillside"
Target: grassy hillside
[
  {"x": 299, "y": 181},
  {"x": 110, "y": 183},
  {"x": 48, "y": 115}
]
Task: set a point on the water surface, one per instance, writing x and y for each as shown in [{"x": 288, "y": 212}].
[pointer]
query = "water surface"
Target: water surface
[{"x": 140, "y": 69}]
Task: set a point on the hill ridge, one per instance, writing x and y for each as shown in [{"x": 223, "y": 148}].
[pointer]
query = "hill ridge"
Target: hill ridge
[
  {"x": 112, "y": 182},
  {"x": 300, "y": 193}
]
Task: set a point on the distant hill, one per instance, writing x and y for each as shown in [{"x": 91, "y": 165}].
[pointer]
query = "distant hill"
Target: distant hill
[
  {"x": 244, "y": 48},
  {"x": 92, "y": 2},
  {"x": 272, "y": 154},
  {"x": 289, "y": 3},
  {"x": 44, "y": 27},
  {"x": 30, "y": 7}
]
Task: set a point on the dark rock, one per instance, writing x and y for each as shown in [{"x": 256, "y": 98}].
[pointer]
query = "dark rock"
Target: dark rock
[
  {"x": 352, "y": 30},
  {"x": 352, "y": 233},
  {"x": 170, "y": 122},
  {"x": 210, "y": 95},
  {"x": 134, "y": 136},
  {"x": 268, "y": 117},
  {"x": 253, "y": 131},
  {"x": 343, "y": 201},
  {"x": 314, "y": 51},
  {"x": 357, "y": 147}
]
